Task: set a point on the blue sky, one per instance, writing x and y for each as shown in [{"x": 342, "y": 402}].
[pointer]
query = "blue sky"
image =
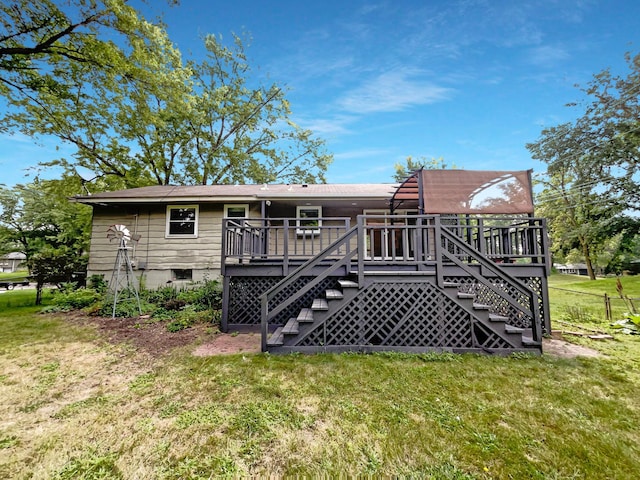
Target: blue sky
[{"x": 471, "y": 81}]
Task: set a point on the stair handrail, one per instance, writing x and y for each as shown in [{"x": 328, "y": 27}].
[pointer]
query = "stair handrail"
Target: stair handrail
[
  {"x": 533, "y": 311},
  {"x": 270, "y": 294}
]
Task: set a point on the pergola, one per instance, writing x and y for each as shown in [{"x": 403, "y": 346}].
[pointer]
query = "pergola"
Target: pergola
[{"x": 478, "y": 192}]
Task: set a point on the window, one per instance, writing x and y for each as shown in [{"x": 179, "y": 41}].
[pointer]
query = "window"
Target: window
[
  {"x": 309, "y": 220},
  {"x": 182, "y": 221},
  {"x": 181, "y": 274},
  {"x": 236, "y": 211}
]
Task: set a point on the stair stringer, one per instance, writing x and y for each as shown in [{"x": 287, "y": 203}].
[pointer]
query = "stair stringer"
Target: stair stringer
[{"x": 405, "y": 314}]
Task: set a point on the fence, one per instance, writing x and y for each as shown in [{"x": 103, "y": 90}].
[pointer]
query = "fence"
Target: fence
[{"x": 610, "y": 306}]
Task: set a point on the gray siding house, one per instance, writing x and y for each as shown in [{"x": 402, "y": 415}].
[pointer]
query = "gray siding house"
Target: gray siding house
[{"x": 447, "y": 260}]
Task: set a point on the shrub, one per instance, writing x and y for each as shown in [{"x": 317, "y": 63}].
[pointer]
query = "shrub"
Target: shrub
[
  {"x": 76, "y": 299},
  {"x": 97, "y": 283},
  {"x": 160, "y": 295}
]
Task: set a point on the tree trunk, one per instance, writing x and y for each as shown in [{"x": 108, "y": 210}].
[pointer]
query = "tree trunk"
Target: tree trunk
[
  {"x": 587, "y": 260},
  {"x": 39, "y": 293}
]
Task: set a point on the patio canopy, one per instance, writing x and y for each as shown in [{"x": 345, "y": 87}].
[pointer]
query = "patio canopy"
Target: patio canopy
[{"x": 477, "y": 192}]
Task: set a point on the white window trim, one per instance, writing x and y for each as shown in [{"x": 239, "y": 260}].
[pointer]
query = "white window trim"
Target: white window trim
[
  {"x": 306, "y": 230},
  {"x": 227, "y": 206},
  {"x": 181, "y": 235}
]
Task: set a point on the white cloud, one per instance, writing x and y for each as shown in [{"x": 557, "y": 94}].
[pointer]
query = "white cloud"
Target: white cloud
[
  {"x": 547, "y": 55},
  {"x": 393, "y": 91},
  {"x": 327, "y": 127},
  {"x": 360, "y": 153}
]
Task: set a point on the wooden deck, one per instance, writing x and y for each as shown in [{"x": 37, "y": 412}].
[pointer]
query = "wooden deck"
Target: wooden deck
[{"x": 274, "y": 276}]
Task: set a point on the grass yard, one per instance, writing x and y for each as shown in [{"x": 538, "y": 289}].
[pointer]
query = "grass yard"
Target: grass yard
[
  {"x": 19, "y": 274},
  {"x": 588, "y": 305},
  {"x": 75, "y": 406}
]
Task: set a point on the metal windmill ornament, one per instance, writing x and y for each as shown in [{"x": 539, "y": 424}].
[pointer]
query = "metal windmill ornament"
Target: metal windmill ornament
[{"x": 123, "y": 285}]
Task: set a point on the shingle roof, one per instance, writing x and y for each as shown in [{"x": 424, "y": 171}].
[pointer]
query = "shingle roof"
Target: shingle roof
[{"x": 161, "y": 193}]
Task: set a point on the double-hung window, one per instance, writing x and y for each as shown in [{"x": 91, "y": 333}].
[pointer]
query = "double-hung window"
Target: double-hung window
[
  {"x": 182, "y": 221},
  {"x": 309, "y": 220}
]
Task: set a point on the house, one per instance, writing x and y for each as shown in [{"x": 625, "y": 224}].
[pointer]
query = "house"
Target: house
[
  {"x": 12, "y": 262},
  {"x": 572, "y": 268},
  {"x": 449, "y": 260}
]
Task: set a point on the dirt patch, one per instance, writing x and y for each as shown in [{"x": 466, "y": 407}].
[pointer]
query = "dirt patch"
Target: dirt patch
[
  {"x": 150, "y": 337},
  {"x": 155, "y": 339},
  {"x": 561, "y": 348},
  {"x": 225, "y": 344}
]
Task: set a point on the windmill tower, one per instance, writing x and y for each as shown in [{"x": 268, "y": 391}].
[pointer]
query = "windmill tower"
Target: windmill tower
[{"x": 123, "y": 285}]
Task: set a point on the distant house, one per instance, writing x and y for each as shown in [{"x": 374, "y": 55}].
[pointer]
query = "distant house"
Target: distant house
[
  {"x": 572, "y": 268},
  {"x": 12, "y": 262},
  {"x": 447, "y": 260}
]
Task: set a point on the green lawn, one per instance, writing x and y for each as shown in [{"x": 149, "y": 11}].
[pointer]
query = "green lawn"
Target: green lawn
[
  {"x": 20, "y": 274},
  {"x": 75, "y": 406},
  {"x": 576, "y": 298}
]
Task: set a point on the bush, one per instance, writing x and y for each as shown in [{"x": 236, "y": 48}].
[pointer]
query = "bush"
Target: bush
[
  {"x": 97, "y": 283},
  {"x": 160, "y": 295},
  {"x": 76, "y": 299}
]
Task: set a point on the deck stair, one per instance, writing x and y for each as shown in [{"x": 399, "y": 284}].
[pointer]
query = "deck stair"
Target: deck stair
[
  {"x": 511, "y": 338},
  {"x": 308, "y": 316},
  {"x": 448, "y": 294},
  {"x": 497, "y": 324}
]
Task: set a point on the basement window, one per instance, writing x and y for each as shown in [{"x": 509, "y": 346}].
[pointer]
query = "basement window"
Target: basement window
[
  {"x": 181, "y": 274},
  {"x": 182, "y": 221}
]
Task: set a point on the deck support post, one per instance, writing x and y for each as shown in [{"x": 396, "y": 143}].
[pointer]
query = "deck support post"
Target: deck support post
[
  {"x": 438, "y": 251},
  {"x": 361, "y": 249},
  {"x": 264, "y": 325},
  {"x": 226, "y": 287}
]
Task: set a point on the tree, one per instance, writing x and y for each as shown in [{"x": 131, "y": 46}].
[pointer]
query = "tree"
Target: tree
[
  {"x": 137, "y": 113},
  {"x": 38, "y": 220},
  {"x": 592, "y": 183},
  {"x": 411, "y": 165},
  {"x": 611, "y": 126},
  {"x": 577, "y": 216}
]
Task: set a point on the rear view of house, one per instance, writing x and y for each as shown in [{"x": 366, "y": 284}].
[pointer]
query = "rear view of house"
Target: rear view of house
[{"x": 449, "y": 260}]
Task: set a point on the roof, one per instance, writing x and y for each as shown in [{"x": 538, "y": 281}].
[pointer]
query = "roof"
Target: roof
[
  {"x": 14, "y": 256},
  {"x": 218, "y": 193}
]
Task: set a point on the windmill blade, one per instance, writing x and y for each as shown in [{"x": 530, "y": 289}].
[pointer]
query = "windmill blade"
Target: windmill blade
[{"x": 118, "y": 232}]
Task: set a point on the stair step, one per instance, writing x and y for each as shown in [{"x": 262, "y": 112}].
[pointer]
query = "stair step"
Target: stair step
[
  {"x": 480, "y": 306},
  {"x": 512, "y": 329},
  {"x": 466, "y": 295},
  {"x": 347, "y": 284},
  {"x": 450, "y": 284},
  {"x": 276, "y": 339},
  {"x": 291, "y": 327},
  {"x": 497, "y": 318},
  {"x": 320, "y": 304},
  {"x": 305, "y": 316},
  {"x": 333, "y": 294},
  {"x": 530, "y": 342}
]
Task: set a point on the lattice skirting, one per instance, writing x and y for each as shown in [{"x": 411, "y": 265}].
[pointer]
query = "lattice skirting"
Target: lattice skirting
[
  {"x": 402, "y": 315},
  {"x": 499, "y": 305},
  {"x": 244, "y": 298}
]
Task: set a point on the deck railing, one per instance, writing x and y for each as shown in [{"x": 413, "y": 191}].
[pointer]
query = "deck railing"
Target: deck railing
[
  {"x": 399, "y": 239},
  {"x": 281, "y": 240}
]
